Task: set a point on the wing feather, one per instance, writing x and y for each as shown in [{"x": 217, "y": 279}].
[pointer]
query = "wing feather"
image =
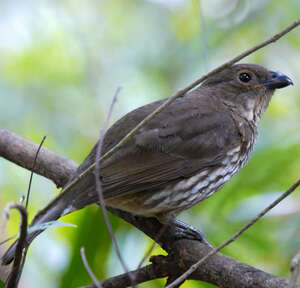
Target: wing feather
[{"x": 169, "y": 149}]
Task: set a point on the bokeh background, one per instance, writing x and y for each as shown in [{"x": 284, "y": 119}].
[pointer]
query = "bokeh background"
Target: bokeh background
[{"x": 60, "y": 64}]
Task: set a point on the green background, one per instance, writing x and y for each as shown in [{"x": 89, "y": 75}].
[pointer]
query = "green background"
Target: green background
[{"x": 60, "y": 65}]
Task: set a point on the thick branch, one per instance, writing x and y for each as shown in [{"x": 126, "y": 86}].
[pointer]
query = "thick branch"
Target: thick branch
[
  {"x": 22, "y": 152},
  {"x": 219, "y": 269}
]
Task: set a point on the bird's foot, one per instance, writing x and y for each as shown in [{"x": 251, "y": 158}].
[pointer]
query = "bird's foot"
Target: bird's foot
[{"x": 185, "y": 231}]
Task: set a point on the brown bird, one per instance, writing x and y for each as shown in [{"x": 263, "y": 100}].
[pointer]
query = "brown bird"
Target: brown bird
[{"x": 182, "y": 156}]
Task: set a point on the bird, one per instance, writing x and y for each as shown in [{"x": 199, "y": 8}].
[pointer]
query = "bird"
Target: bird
[{"x": 182, "y": 156}]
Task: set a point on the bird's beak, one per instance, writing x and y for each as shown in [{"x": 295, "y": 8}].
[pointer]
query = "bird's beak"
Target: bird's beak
[{"x": 277, "y": 80}]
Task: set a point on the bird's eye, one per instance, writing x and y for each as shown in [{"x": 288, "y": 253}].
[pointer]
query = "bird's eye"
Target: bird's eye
[{"x": 245, "y": 77}]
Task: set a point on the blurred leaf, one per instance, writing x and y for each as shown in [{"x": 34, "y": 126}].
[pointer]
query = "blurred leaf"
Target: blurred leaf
[
  {"x": 93, "y": 236},
  {"x": 185, "y": 23},
  {"x": 48, "y": 63}
]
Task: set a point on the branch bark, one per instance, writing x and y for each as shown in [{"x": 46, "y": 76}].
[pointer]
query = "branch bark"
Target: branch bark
[
  {"x": 220, "y": 270},
  {"x": 21, "y": 151}
]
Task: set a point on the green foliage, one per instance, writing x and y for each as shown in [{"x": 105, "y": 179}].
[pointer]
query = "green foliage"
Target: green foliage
[
  {"x": 60, "y": 66},
  {"x": 92, "y": 235},
  {"x": 42, "y": 64}
]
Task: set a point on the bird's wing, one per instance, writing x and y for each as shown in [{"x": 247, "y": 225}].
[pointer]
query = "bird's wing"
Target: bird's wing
[
  {"x": 185, "y": 138},
  {"x": 191, "y": 134}
]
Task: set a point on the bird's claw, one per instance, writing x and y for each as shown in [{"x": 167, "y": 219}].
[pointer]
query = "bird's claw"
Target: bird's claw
[{"x": 185, "y": 231}]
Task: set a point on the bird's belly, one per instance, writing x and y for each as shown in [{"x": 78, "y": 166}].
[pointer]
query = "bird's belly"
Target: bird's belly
[
  {"x": 186, "y": 193},
  {"x": 199, "y": 187}
]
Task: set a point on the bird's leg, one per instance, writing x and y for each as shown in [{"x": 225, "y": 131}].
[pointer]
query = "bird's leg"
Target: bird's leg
[{"x": 187, "y": 231}]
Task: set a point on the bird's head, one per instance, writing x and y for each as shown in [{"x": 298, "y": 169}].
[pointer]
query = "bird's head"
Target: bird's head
[{"x": 246, "y": 87}]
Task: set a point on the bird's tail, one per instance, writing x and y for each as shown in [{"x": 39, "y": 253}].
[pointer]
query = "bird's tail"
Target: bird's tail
[{"x": 74, "y": 199}]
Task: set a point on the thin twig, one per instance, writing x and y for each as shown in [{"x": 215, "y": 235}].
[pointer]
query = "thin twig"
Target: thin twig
[
  {"x": 235, "y": 236},
  {"x": 21, "y": 249},
  {"x": 27, "y": 201},
  {"x": 295, "y": 269},
  {"x": 99, "y": 186},
  {"x": 31, "y": 174},
  {"x": 88, "y": 268},
  {"x": 14, "y": 276},
  {"x": 178, "y": 94}
]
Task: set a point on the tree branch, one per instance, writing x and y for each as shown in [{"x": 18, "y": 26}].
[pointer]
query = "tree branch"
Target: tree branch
[
  {"x": 219, "y": 270},
  {"x": 21, "y": 151}
]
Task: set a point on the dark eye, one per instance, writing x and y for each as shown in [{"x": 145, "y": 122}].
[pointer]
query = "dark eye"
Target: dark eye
[{"x": 244, "y": 77}]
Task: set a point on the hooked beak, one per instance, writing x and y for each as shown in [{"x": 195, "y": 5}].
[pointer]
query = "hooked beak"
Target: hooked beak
[{"x": 277, "y": 80}]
